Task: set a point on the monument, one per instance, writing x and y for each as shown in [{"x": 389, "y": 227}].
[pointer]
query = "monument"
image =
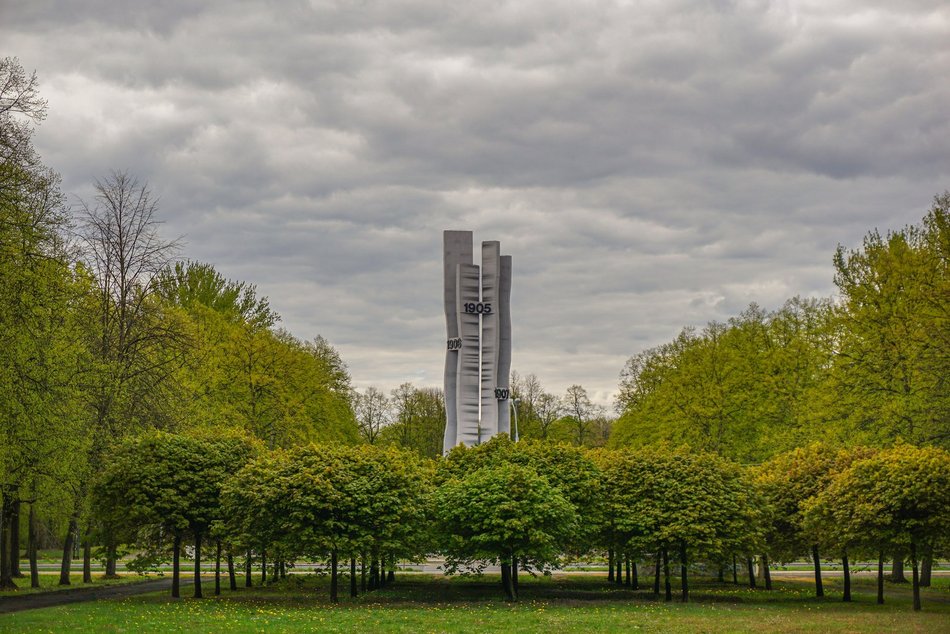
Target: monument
[{"x": 478, "y": 344}]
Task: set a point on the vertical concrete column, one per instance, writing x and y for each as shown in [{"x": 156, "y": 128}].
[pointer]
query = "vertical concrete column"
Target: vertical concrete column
[
  {"x": 503, "y": 388},
  {"x": 456, "y": 249},
  {"x": 469, "y": 431},
  {"x": 491, "y": 281}
]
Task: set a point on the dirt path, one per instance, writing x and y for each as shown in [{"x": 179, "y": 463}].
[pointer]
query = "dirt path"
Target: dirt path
[{"x": 77, "y": 595}]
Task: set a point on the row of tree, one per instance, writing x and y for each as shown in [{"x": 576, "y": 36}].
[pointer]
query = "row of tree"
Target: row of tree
[
  {"x": 523, "y": 506},
  {"x": 104, "y": 334},
  {"x": 867, "y": 367},
  {"x": 414, "y": 418}
]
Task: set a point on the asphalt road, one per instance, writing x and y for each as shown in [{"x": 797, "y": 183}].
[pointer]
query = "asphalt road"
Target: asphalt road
[{"x": 76, "y": 595}]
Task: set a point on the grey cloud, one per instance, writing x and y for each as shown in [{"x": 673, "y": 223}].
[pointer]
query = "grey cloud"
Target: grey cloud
[{"x": 648, "y": 166}]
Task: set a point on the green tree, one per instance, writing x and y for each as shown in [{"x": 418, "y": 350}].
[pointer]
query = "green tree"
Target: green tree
[
  {"x": 746, "y": 389},
  {"x": 242, "y": 372},
  {"x": 898, "y": 497},
  {"x": 695, "y": 504},
  {"x": 894, "y": 353},
  {"x": 41, "y": 298},
  {"x": 787, "y": 483},
  {"x": 171, "y": 482},
  {"x": 501, "y": 513},
  {"x": 328, "y": 501},
  {"x": 567, "y": 469}
]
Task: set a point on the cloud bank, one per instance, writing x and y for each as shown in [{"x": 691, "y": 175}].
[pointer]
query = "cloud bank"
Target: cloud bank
[{"x": 648, "y": 164}]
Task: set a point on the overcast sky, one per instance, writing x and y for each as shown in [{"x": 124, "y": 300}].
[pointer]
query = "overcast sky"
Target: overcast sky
[{"x": 648, "y": 164}]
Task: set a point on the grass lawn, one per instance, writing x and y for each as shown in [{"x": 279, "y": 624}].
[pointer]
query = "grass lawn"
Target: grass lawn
[{"x": 429, "y": 603}]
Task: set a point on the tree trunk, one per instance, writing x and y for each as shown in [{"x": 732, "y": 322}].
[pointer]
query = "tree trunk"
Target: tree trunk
[
  {"x": 666, "y": 575},
  {"x": 353, "y": 577},
  {"x": 880, "y": 578},
  {"x": 913, "y": 561},
  {"x": 263, "y": 566},
  {"x": 6, "y": 579},
  {"x": 363, "y": 573},
  {"x": 766, "y": 573},
  {"x": 391, "y": 573},
  {"x": 735, "y": 570},
  {"x": 198, "y": 594},
  {"x": 897, "y": 569},
  {"x": 283, "y": 569},
  {"x": 656, "y": 574},
  {"x": 15, "y": 571},
  {"x": 66, "y": 566},
  {"x": 333, "y": 577},
  {"x": 847, "y": 577},
  {"x": 618, "y": 577},
  {"x": 683, "y": 583},
  {"x": 248, "y": 580},
  {"x": 636, "y": 580},
  {"x": 926, "y": 566},
  {"x": 819, "y": 588},
  {"x": 373, "y": 572},
  {"x": 217, "y": 567},
  {"x": 751, "y": 565},
  {"x": 86, "y": 561},
  {"x": 627, "y": 581},
  {"x": 610, "y": 565},
  {"x": 31, "y": 548},
  {"x": 506, "y": 581},
  {"x": 110, "y": 557},
  {"x": 176, "y": 567},
  {"x": 514, "y": 574},
  {"x": 232, "y": 577},
  {"x": 721, "y": 575}
]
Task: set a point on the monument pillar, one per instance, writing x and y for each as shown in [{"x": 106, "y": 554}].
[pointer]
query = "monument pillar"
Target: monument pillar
[{"x": 478, "y": 342}]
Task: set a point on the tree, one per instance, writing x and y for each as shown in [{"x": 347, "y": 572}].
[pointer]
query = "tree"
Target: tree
[
  {"x": 373, "y": 412},
  {"x": 41, "y": 298},
  {"x": 549, "y": 410},
  {"x": 242, "y": 372},
  {"x": 136, "y": 343},
  {"x": 787, "y": 483},
  {"x": 525, "y": 392},
  {"x": 566, "y": 469},
  {"x": 171, "y": 482},
  {"x": 693, "y": 503},
  {"x": 327, "y": 501},
  {"x": 746, "y": 389},
  {"x": 503, "y": 512},
  {"x": 578, "y": 406},
  {"x": 419, "y": 420},
  {"x": 894, "y": 354},
  {"x": 898, "y": 497}
]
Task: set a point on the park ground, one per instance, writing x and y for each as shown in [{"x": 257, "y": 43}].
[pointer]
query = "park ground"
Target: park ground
[{"x": 563, "y": 603}]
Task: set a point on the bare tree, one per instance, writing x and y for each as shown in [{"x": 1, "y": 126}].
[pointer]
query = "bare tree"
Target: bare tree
[
  {"x": 126, "y": 255},
  {"x": 20, "y": 105},
  {"x": 527, "y": 389},
  {"x": 548, "y": 410},
  {"x": 373, "y": 412},
  {"x": 582, "y": 412},
  {"x": 136, "y": 344}
]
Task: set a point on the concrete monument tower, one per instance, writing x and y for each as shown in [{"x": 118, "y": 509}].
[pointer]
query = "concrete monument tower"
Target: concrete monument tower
[{"x": 478, "y": 348}]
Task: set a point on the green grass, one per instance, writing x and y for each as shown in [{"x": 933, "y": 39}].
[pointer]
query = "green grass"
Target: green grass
[
  {"x": 50, "y": 582},
  {"x": 424, "y": 603}
]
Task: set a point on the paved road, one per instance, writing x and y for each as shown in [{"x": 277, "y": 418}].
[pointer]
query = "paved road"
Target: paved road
[{"x": 77, "y": 595}]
